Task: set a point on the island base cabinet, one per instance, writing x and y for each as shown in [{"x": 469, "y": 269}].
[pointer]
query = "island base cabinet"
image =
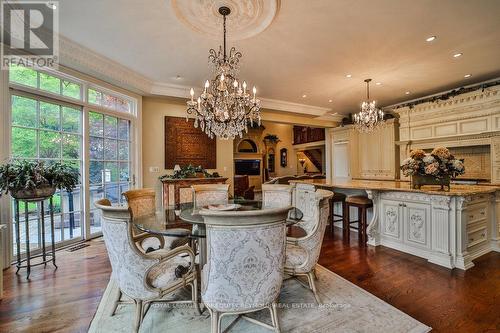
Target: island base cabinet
[{"x": 446, "y": 230}]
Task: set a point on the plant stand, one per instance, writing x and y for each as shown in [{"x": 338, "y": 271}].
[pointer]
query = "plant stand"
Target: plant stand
[{"x": 46, "y": 257}]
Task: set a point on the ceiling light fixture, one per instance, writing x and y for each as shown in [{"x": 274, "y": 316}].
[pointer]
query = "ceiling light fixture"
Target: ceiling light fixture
[
  {"x": 467, "y": 76},
  {"x": 225, "y": 107},
  {"x": 369, "y": 118},
  {"x": 329, "y": 101},
  {"x": 407, "y": 92},
  {"x": 378, "y": 83},
  {"x": 430, "y": 39},
  {"x": 456, "y": 55},
  {"x": 304, "y": 96},
  {"x": 348, "y": 76}
]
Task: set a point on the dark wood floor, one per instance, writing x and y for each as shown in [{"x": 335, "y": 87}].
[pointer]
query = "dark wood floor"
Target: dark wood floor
[{"x": 449, "y": 301}]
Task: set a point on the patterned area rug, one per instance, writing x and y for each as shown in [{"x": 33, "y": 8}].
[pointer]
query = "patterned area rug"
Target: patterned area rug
[{"x": 346, "y": 308}]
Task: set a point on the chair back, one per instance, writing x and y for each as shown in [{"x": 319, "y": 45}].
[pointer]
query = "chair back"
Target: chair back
[
  {"x": 129, "y": 265},
  {"x": 141, "y": 202},
  {"x": 315, "y": 206},
  {"x": 274, "y": 195},
  {"x": 210, "y": 194},
  {"x": 245, "y": 258}
]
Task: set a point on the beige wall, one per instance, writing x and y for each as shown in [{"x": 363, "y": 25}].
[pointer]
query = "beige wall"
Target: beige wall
[
  {"x": 285, "y": 134},
  {"x": 154, "y": 109}
]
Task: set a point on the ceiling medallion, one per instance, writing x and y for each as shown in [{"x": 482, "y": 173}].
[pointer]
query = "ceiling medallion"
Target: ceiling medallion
[
  {"x": 369, "y": 118},
  {"x": 248, "y": 17},
  {"x": 225, "y": 107}
]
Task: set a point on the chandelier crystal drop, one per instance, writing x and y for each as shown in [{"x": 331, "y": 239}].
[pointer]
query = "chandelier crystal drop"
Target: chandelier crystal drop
[
  {"x": 226, "y": 107},
  {"x": 369, "y": 118}
]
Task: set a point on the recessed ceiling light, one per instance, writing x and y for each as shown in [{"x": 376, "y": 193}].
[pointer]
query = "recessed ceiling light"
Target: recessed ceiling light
[
  {"x": 348, "y": 76},
  {"x": 407, "y": 92},
  {"x": 178, "y": 77},
  {"x": 304, "y": 96},
  {"x": 456, "y": 55},
  {"x": 51, "y": 5},
  {"x": 467, "y": 76},
  {"x": 378, "y": 83},
  {"x": 430, "y": 39},
  {"x": 329, "y": 101}
]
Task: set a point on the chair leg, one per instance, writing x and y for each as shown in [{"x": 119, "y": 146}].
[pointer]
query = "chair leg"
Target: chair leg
[
  {"x": 312, "y": 285},
  {"x": 347, "y": 223},
  {"x": 138, "y": 315},
  {"x": 215, "y": 318},
  {"x": 314, "y": 273},
  {"x": 332, "y": 216},
  {"x": 194, "y": 295},
  {"x": 363, "y": 227},
  {"x": 274, "y": 317},
  {"x": 117, "y": 301}
]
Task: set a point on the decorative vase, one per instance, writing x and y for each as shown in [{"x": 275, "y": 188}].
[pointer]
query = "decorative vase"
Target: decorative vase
[
  {"x": 41, "y": 192},
  {"x": 417, "y": 181}
]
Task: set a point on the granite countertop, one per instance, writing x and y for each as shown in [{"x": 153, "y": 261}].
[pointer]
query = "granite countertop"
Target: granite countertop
[{"x": 391, "y": 185}]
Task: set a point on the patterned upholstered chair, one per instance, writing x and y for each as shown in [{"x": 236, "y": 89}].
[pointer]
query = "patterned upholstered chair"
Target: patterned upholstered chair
[
  {"x": 302, "y": 253},
  {"x": 244, "y": 270},
  {"x": 142, "y": 202},
  {"x": 210, "y": 194},
  {"x": 143, "y": 277},
  {"x": 274, "y": 195}
]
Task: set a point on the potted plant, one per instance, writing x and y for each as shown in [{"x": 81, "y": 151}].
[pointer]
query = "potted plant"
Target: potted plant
[
  {"x": 190, "y": 171},
  {"x": 27, "y": 180},
  {"x": 272, "y": 138},
  {"x": 436, "y": 168}
]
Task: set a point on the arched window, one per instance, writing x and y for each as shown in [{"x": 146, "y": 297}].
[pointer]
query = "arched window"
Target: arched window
[{"x": 247, "y": 146}]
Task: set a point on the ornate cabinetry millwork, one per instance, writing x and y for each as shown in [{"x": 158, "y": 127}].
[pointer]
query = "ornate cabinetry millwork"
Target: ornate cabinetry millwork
[{"x": 468, "y": 123}]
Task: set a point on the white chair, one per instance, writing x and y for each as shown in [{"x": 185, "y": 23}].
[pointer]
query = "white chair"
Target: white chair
[
  {"x": 274, "y": 195},
  {"x": 143, "y": 277},
  {"x": 302, "y": 253},
  {"x": 244, "y": 270},
  {"x": 210, "y": 194},
  {"x": 142, "y": 202}
]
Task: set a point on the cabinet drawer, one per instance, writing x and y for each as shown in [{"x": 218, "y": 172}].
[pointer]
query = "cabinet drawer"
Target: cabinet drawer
[
  {"x": 477, "y": 236},
  {"x": 476, "y": 213}
]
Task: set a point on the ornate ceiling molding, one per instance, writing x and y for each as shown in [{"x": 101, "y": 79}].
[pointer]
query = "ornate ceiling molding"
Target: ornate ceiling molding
[
  {"x": 80, "y": 58},
  {"x": 247, "y": 19}
]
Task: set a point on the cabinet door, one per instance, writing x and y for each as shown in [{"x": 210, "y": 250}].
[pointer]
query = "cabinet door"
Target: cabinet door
[
  {"x": 391, "y": 219},
  {"x": 417, "y": 219}
]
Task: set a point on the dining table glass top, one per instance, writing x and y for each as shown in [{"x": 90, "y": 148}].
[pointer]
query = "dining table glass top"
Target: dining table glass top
[{"x": 174, "y": 220}]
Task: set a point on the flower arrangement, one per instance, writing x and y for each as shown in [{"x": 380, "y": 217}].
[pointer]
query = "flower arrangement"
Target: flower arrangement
[
  {"x": 189, "y": 171},
  {"x": 440, "y": 163}
]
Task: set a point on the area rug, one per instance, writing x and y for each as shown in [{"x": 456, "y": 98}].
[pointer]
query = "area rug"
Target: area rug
[{"x": 346, "y": 308}]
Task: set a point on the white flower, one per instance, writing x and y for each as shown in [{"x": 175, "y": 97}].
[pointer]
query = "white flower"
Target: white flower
[{"x": 428, "y": 159}]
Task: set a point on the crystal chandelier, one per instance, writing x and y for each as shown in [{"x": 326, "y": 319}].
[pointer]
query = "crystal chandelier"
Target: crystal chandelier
[
  {"x": 225, "y": 107},
  {"x": 369, "y": 118}
]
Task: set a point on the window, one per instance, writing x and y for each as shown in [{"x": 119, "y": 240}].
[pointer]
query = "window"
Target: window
[
  {"x": 49, "y": 131},
  {"x": 109, "y": 172},
  {"x": 53, "y": 116},
  {"x": 45, "y": 82},
  {"x": 109, "y": 101}
]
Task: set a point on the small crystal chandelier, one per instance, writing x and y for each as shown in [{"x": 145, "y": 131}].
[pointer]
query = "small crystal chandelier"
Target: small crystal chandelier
[
  {"x": 225, "y": 107},
  {"x": 369, "y": 118}
]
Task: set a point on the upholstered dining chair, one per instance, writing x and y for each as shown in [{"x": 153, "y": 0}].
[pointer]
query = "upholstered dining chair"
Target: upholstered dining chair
[
  {"x": 142, "y": 202},
  {"x": 244, "y": 270},
  {"x": 275, "y": 195},
  {"x": 302, "y": 253},
  {"x": 143, "y": 277},
  {"x": 210, "y": 194}
]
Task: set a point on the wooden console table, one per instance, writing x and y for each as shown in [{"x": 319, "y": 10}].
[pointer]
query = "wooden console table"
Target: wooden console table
[{"x": 177, "y": 184}]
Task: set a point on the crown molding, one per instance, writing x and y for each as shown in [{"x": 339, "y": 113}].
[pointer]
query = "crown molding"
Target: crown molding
[{"x": 78, "y": 57}]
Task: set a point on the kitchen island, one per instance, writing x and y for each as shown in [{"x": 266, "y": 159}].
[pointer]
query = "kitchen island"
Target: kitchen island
[{"x": 450, "y": 229}]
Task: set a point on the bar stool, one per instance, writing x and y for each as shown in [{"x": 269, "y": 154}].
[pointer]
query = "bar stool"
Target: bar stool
[
  {"x": 337, "y": 197},
  {"x": 362, "y": 203}
]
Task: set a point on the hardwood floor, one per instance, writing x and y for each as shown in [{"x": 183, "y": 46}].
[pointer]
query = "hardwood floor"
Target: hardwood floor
[{"x": 449, "y": 301}]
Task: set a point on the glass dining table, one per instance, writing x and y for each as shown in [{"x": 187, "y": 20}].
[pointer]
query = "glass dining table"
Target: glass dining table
[{"x": 174, "y": 220}]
